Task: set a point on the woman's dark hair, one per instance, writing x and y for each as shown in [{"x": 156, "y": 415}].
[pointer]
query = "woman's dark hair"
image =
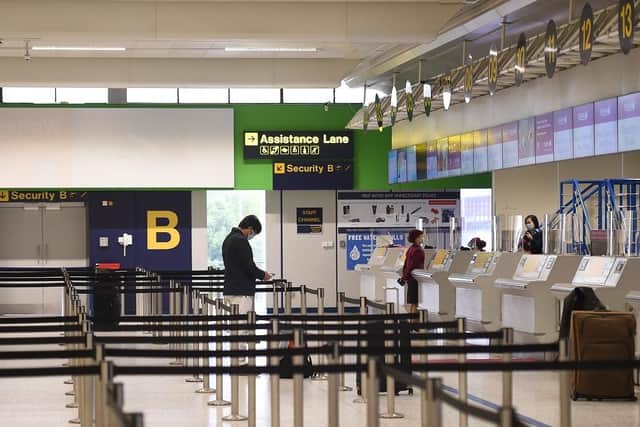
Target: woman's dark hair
[
  {"x": 251, "y": 221},
  {"x": 481, "y": 244},
  {"x": 413, "y": 235},
  {"x": 534, "y": 220}
]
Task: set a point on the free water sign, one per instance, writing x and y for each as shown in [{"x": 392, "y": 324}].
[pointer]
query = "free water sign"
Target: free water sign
[{"x": 360, "y": 245}]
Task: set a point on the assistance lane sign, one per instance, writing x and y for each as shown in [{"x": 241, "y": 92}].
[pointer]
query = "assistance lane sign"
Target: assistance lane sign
[
  {"x": 312, "y": 175},
  {"x": 298, "y": 145}
]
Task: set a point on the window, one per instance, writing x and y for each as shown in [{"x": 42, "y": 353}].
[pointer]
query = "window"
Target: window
[
  {"x": 82, "y": 95},
  {"x": 475, "y": 211},
  {"x": 35, "y": 95},
  {"x": 225, "y": 209},
  {"x": 164, "y": 95},
  {"x": 308, "y": 96},
  {"x": 347, "y": 95},
  {"x": 255, "y": 96},
  {"x": 203, "y": 96}
]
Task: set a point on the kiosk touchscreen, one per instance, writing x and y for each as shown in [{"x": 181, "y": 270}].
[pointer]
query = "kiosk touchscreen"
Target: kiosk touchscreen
[
  {"x": 437, "y": 294},
  {"x": 391, "y": 291},
  {"x": 527, "y": 303}
]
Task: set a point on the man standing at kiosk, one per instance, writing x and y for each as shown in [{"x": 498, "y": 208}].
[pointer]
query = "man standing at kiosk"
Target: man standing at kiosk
[{"x": 240, "y": 272}]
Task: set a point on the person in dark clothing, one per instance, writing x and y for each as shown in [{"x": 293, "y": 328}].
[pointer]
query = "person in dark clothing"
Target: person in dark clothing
[
  {"x": 532, "y": 239},
  {"x": 414, "y": 259},
  {"x": 240, "y": 272}
]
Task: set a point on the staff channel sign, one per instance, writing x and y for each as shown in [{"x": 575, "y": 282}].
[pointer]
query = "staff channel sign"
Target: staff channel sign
[
  {"x": 309, "y": 220},
  {"x": 312, "y": 175},
  {"x": 46, "y": 196},
  {"x": 298, "y": 145}
]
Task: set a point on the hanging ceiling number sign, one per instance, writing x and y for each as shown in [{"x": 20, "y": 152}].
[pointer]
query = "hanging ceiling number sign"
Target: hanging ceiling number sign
[
  {"x": 551, "y": 49},
  {"x": 468, "y": 80},
  {"x": 492, "y": 69},
  {"x": 626, "y": 24},
  {"x": 378, "y": 110},
  {"x": 586, "y": 34},
  {"x": 521, "y": 59}
]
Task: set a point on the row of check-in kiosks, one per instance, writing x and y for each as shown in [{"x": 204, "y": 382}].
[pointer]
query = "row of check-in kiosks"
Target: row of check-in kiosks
[{"x": 492, "y": 289}]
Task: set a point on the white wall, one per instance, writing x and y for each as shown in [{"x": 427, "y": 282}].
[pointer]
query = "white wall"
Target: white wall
[{"x": 116, "y": 148}]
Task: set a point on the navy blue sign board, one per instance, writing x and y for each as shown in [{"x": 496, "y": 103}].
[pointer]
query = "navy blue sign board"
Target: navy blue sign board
[
  {"x": 309, "y": 220},
  {"x": 298, "y": 145},
  {"x": 313, "y": 175}
]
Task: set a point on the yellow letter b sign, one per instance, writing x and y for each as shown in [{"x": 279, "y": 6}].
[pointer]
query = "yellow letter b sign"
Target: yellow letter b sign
[{"x": 153, "y": 230}]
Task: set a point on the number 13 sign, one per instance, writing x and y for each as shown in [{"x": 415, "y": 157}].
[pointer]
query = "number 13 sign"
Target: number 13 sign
[{"x": 626, "y": 24}]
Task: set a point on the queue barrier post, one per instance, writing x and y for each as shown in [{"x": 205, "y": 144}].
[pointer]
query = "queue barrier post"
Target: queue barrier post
[
  {"x": 73, "y": 311},
  {"x": 219, "y": 401},
  {"x": 206, "y": 379},
  {"x": 391, "y": 382},
  {"x": 334, "y": 389},
  {"x": 298, "y": 378},
  {"x": 276, "y": 298},
  {"x": 507, "y": 416},
  {"x": 235, "y": 379},
  {"x": 78, "y": 385},
  {"x": 462, "y": 376},
  {"x": 194, "y": 299},
  {"x": 174, "y": 309},
  {"x": 343, "y": 386},
  {"x": 424, "y": 358},
  {"x": 565, "y": 400},
  {"x": 106, "y": 376},
  {"x": 433, "y": 409},
  {"x": 363, "y": 358},
  {"x": 274, "y": 379},
  {"x": 287, "y": 298},
  {"x": 303, "y": 299},
  {"x": 507, "y": 376},
  {"x": 87, "y": 407},
  {"x": 184, "y": 312},
  {"x": 251, "y": 379},
  {"x": 372, "y": 393},
  {"x": 320, "y": 376},
  {"x": 99, "y": 389}
]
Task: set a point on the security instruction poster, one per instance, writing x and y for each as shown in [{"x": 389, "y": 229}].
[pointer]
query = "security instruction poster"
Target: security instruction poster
[
  {"x": 629, "y": 122},
  {"x": 583, "y": 131},
  {"x": 396, "y": 210},
  {"x": 563, "y": 134},
  {"x": 544, "y": 138},
  {"x": 361, "y": 244},
  {"x": 526, "y": 142},
  {"x": 606, "y": 126}
]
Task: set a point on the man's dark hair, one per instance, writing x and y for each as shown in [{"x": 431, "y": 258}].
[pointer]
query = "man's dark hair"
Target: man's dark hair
[{"x": 251, "y": 221}]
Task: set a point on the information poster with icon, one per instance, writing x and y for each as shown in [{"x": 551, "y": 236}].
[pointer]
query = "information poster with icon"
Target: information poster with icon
[
  {"x": 606, "y": 126},
  {"x": 412, "y": 171},
  {"x": 563, "y": 134},
  {"x": 362, "y": 244},
  {"x": 629, "y": 122},
  {"x": 454, "y": 158},
  {"x": 443, "y": 157},
  {"x": 526, "y": 142},
  {"x": 421, "y": 162},
  {"x": 432, "y": 159},
  {"x": 583, "y": 132},
  {"x": 494, "y": 148},
  {"x": 480, "y": 156},
  {"x": 392, "y": 168},
  {"x": 402, "y": 166},
  {"x": 510, "y": 145},
  {"x": 544, "y": 138},
  {"x": 466, "y": 147},
  {"x": 396, "y": 209}
]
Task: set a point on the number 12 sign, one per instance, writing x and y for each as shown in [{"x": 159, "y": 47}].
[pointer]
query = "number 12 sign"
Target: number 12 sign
[{"x": 586, "y": 34}]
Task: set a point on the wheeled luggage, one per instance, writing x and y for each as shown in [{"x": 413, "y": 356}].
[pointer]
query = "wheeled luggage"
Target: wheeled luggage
[{"x": 600, "y": 335}]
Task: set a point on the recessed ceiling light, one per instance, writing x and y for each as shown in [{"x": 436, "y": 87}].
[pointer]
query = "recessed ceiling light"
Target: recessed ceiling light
[
  {"x": 270, "y": 49},
  {"x": 80, "y": 48}
]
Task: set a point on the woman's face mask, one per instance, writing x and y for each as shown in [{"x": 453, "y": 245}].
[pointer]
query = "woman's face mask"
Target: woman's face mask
[
  {"x": 251, "y": 235},
  {"x": 530, "y": 226}
]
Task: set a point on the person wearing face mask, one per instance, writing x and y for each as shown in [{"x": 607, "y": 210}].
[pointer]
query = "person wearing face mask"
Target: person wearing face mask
[
  {"x": 240, "y": 271},
  {"x": 532, "y": 239}
]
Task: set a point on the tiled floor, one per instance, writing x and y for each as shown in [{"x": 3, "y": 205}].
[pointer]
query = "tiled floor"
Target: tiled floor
[{"x": 172, "y": 402}]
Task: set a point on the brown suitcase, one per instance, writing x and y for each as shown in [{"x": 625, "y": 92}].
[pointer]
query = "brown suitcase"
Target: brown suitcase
[{"x": 602, "y": 335}]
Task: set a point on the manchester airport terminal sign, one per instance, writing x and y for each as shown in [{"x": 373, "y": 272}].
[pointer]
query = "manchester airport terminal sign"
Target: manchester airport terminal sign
[{"x": 298, "y": 145}]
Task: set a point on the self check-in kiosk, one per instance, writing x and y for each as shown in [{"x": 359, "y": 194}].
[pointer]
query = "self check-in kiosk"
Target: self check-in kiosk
[
  {"x": 615, "y": 280},
  {"x": 436, "y": 293},
  {"x": 527, "y": 304},
  {"x": 371, "y": 275}
]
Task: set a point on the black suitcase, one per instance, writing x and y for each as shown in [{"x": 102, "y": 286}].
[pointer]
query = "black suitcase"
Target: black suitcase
[
  {"x": 402, "y": 359},
  {"x": 106, "y": 301},
  {"x": 581, "y": 298}
]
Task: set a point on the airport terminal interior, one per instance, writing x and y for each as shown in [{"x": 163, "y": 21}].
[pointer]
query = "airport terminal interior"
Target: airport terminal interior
[{"x": 319, "y": 213}]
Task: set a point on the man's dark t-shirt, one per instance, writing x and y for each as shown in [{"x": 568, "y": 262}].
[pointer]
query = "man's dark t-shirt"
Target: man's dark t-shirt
[{"x": 240, "y": 272}]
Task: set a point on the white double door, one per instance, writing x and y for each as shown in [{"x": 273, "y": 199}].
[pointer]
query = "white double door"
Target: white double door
[{"x": 40, "y": 236}]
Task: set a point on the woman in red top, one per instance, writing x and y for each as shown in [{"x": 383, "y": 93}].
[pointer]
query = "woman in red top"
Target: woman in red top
[{"x": 414, "y": 259}]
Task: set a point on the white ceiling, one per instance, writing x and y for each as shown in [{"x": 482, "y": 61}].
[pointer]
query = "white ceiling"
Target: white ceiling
[{"x": 181, "y": 42}]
